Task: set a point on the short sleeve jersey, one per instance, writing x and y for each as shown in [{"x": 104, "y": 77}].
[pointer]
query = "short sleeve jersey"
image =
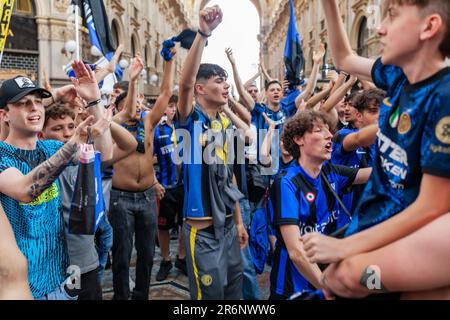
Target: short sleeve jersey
[
  {"x": 308, "y": 203},
  {"x": 204, "y": 182},
  {"x": 38, "y": 226},
  {"x": 279, "y": 117},
  {"x": 360, "y": 158},
  {"x": 413, "y": 139},
  {"x": 165, "y": 144}
]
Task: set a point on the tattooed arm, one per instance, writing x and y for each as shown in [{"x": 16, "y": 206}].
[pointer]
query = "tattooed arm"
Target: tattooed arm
[{"x": 26, "y": 188}]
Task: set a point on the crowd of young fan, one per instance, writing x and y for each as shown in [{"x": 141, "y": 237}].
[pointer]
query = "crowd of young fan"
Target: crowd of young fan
[{"x": 352, "y": 175}]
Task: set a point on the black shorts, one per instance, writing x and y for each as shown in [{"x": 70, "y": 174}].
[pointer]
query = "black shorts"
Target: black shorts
[{"x": 171, "y": 209}]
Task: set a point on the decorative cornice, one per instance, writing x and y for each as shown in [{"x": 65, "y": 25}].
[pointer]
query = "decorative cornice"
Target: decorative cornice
[
  {"x": 117, "y": 6},
  {"x": 359, "y": 5}
]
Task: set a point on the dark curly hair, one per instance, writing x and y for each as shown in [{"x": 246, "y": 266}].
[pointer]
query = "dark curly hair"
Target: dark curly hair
[
  {"x": 57, "y": 111},
  {"x": 300, "y": 124},
  {"x": 364, "y": 99}
]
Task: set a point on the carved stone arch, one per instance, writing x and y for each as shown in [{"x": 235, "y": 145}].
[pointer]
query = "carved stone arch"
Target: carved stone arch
[
  {"x": 359, "y": 18},
  {"x": 260, "y": 6},
  {"x": 41, "y": 7},
  {"x": 135, "y": 44},
  {"x": 117, "y": 23},
  {"x": 148, "y": 55}
]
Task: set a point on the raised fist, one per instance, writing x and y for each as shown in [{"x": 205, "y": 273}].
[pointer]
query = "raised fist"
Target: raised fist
[
  {"x": 136, "y": 67},
  {"x": 209, "y": 19},
  {"x": 318, "y": 55}
]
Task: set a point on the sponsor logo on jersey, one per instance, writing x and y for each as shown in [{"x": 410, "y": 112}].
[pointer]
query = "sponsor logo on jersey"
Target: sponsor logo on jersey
[{"x": 443, "y": 130}]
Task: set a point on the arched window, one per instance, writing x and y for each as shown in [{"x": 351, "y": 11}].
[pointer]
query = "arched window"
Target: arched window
[
  {"x": 23, "y": 28},
  {"x": 134, "y": 45},
  {"x": 363, "y": 37},
  {"x": 115, "y": 33}
]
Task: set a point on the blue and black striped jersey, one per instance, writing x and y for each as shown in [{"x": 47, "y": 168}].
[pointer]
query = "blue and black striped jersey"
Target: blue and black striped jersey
[
  {"x": 413, "y": 139},
  {"x": 301, "y": 200},
  {"x": 165, "y": 144}
]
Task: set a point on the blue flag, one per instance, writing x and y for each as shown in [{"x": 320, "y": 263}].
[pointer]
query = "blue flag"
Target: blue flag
[
  {"x": 96, "y": 20},
  {"x": 293, "y": 54}
]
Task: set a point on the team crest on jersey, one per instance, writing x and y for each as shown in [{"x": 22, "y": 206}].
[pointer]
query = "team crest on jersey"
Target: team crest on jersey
[
  {"x": 206, "y": 280},
  {"x": 404, "y": 124},
  {"x": 443, "y": 130},
  {"x": 216, "y": 126},
  {"x": 310, "y": 197}
]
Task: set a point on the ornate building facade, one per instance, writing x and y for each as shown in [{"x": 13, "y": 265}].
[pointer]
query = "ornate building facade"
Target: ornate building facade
[
  {"x": 360, "y": 19},
  {"x": 41, "y": 28}
]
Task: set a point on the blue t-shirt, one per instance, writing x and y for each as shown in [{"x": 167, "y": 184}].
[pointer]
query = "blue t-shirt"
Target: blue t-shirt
[
  {"x": 288, "y": 102},
  {"x": 413, "y": 139},
  {"x": 279, "y": 117},
  {"x": 38, "y": 226},
  {"x": 359, "y": 158},
  {"x": 165, "y": 143},
  {"x": 206, "y": 183},
  {"x": 308, "y": 203}
]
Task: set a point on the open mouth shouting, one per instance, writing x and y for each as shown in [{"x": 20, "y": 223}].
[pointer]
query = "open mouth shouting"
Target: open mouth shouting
[{"x": 34, "y": 119}]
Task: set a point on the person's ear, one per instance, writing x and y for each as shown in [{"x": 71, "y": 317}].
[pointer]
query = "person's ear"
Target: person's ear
[
  {"x": 300, "y": 141},
  {"x": 4, "y": 116},
  {"x": 199, "y": 88},
  {"x": 433, "y": 25}
]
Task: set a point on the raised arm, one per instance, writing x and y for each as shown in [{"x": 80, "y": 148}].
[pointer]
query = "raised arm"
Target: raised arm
[
  {"x": 155, "y": 115},
  {"x": 101, "y": 73},
  {"x": 315, "y": 99},
  {"x": 340, "y": 93},
  {"x": 26, "y": 188},
  {"x": 341, "y": 51},
  {"x": 312, "y": 80},
  {"x": 363, "y": 138},
  {"x": 246, "y": 98},
  {"x": 87, "y": 88},
  {"x": 241, "y": 111},
  {"x": 240, "y": 124},
  {"x": 129, "y": 110},
  {"x": 209, "y": 19},
  {"x": 266, "y": 157},
  {"x": 264, "y": 72},
  {"x": 338, "y": 81},
  {"x": 251, "y": 80}
]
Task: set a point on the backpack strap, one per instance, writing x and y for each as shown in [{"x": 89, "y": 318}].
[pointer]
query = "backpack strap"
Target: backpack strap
[{"x": 340, "y": 231}]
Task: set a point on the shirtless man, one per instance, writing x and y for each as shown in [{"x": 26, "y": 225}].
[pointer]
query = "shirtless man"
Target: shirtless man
[{"x": 133, "y": 196}]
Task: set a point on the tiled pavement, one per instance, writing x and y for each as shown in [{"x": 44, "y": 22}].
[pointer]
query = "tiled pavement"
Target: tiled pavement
[{"x": 176, "y": 286}]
